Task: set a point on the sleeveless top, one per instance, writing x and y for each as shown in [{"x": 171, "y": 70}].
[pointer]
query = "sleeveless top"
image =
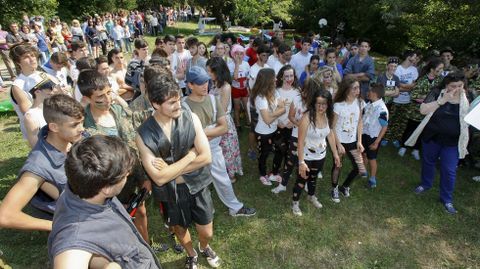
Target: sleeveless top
[
  {"x": 216, "y": 92},
  {"x": 106, "y": 230},
  {"x": 315, "y": 143},
  {"x": 181, "y": 141},
  {"x": 46, "y": 162}
]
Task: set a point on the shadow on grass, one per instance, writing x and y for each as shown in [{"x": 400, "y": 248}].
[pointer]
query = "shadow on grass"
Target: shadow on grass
[
  {"x": 9, "y": 170},
  {"x": 11, "y": 129}
]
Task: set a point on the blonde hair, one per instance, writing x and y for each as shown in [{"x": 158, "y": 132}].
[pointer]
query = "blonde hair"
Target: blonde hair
[
  {"x": 318, "y": 77},
  {"x": 75, "y": 22}
]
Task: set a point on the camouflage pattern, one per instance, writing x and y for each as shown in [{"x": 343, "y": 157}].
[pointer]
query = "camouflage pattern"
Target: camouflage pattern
[
  {"x": 122, "y": 120},
  {"x": 140, "y": 103},
  {"x": 127, "y": 133},
  {"x": 397, "y": 122},
  {"x": 418, "y": 93},
  {"x": 139, "y": 117},
  {"x": 141, "y": 110}
]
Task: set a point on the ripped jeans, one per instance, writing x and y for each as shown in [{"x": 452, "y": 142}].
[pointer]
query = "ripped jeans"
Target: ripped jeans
[
  {"x": 266, "y": 145},
  {"x": 358, "y": 167},
  {"x": 291, "y": 161},
  {"x": 314, "y": 166}
]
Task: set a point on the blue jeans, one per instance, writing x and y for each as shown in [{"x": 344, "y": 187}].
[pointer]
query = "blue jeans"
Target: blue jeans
[
  {"x": 448, "y": 156},
  {"x": 118, "y": 44},
  {"x": 128, "y": 44}
]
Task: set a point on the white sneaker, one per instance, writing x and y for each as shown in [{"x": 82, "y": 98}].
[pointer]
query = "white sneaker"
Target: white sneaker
[
  {"x": 212, "y": 258},
  {"x": 416, "y": 154},
  {"x": 335, "y": 195},
  {"x": 476, "y": 178},
  {"x": 320, "y": 175},
  {"x": 296, "y": 209},
  {"x": 314, "y": 201},
  {"x": 278, "y": 189},
  {"x": 401, "y": 152},
  {"x": 275, "y": 178},
  {"x": 265, "y": 181}
]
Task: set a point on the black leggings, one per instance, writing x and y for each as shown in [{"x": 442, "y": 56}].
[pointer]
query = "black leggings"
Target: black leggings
[
  {"x": 315, "y": 167},
  {"x": 357, "y": 165},
  {"x": 409, "y": 129},
  {"x": 282, "y": 140},
  {"x": 291, "y": 160},
  {"x": 266, "y": 144}
]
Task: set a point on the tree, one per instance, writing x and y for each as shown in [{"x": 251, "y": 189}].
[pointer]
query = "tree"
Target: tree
[
  {"x": 220, "y": 9},
  {"x": 12, "y": 11},
  {"x": 252, "y": 12},
  {"x": 394, "y": 25},
  {"x": 69, "y": 9}
]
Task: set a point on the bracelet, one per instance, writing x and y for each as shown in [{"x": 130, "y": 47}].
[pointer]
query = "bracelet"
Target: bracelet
[{"x": 301, "y": 162}]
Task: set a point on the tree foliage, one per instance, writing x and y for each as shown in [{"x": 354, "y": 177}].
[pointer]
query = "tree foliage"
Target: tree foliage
[
  {"x": 69, "y": 9},
  {"x": 12, "y": 11},
  {"x": 253, "y": 12},
  {"x": 248, "y": 12},
  {"x": 394, "y": 25}
]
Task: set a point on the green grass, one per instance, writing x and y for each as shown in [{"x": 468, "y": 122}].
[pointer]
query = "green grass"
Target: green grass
[{"x": 388, "y": 227}]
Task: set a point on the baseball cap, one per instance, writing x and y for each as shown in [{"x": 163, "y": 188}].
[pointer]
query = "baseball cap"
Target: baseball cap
[{"x": 197, "y": 75}]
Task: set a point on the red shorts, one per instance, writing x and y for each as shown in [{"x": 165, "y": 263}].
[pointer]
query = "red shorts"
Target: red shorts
[{"x": 239, "y": 93}]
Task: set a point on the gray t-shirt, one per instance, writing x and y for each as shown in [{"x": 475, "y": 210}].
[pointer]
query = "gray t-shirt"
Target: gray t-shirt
[{"x": 204, "y": 110}]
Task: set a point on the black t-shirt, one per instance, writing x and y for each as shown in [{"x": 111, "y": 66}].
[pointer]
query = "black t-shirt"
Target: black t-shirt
[{"x": 444, "y": 126}]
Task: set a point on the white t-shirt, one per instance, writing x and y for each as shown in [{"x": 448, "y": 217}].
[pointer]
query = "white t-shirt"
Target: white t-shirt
[
  {"x": 348, "y": 116},
  {"x": 243, "y": 74},
  {"x": 25, "y": 83},
  {"x": 278, "y": 65},
  {"x": 374, "y": 113},
  {"x": 36, "y": 114},
  {"x": 272, "y": 60},
  {"x": 118, "y": 33},
  {"x": 289, "y": 96},
  {"x": 315, "y": 147},
  {"x": 299, "y": 61},
  {"x": 261, "y": 103},
  {"x": 180, "y": 59},
  {"x": 299, "y": 110},
  {"x": 61, "y": 74},
  {"x": 254, "y": 69},
  {"x": 406, "y": 76}
]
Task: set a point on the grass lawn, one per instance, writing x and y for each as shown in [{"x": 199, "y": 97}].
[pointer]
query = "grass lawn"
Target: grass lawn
[{"x": 388, "y": 227}]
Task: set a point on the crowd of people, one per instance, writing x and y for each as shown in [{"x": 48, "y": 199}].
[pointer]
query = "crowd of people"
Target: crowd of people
[{"x": 168, "y": 122}]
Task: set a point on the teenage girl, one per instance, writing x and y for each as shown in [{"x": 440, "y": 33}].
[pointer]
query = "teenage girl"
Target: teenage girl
[
  {"x": 296, "y": 110},
  {"x": 287, "y": 90},
  {"x": 218, "y": 71},
  {"x": 347, "y": 123},
  {"x": 313, "y": 133},
  {"x": 269, "y": 107}
]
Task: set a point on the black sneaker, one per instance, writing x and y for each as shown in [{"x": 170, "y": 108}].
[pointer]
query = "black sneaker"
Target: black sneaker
[
  {"x": 191, "y": 262},
  {"x": 345, "y": 191},
  {"x": 157, "y": 248},
  {"x": 177, "y": 247},
  {"x": 245, "y": 212},
  {"x": 212, "y": 258}
]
